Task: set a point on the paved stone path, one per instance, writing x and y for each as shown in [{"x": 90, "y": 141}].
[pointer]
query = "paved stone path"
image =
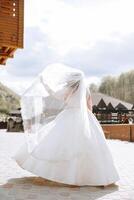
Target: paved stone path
[{"x": 18, "y": 184}]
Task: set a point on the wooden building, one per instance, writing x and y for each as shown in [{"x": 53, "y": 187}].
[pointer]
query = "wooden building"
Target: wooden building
[
  {"x": 110, "y": 110},
  {"x": 11, "y": 28},
  {"x": 15, "y": 122}
]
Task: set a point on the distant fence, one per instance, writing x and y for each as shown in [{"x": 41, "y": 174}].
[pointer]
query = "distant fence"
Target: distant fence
[{"x": 118, "y": 117}]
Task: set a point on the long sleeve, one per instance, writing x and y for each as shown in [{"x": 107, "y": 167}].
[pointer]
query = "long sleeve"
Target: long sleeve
[
  {"x": 61, "y": 94},
  {"x": 49, "y": 90}
]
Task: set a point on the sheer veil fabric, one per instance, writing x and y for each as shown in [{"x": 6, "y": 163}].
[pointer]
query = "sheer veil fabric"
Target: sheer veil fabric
[{"x": 63, "y": 140}]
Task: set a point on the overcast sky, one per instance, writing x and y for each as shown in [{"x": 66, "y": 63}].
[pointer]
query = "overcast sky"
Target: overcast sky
[{"x": 96, "y": 36}]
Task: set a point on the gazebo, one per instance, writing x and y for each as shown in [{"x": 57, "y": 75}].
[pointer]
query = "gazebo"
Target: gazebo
[{"x": 11, "y": 28}]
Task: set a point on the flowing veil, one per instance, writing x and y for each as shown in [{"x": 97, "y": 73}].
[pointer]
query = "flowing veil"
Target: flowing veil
[
  {"x": 64, "y": 142},
  {"x": 50, "y": 94}
]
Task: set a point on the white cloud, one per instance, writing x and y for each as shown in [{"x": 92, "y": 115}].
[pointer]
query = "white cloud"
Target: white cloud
[
  {"x": 69, "y": 26},
  {"x": 92, "y": 79},
  {"x": 17, "y": 84},
  {"x": 95, "y": 36}
]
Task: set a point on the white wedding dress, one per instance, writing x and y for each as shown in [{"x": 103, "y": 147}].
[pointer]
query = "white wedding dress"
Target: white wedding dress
[{"x": 71, "y": 147}]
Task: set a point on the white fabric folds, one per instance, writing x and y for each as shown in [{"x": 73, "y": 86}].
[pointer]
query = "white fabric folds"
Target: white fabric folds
[{"x": 64, "y": 141}]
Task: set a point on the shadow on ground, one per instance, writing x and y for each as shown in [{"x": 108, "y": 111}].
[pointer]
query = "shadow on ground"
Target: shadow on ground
[{"x": 38, "y": 188}]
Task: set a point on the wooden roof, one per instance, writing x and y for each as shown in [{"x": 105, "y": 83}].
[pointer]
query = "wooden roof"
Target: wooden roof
[{"x": 11, "y": 28}]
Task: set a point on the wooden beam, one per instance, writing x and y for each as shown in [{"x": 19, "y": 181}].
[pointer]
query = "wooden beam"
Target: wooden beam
[
  {"x": 5, "y": 55},
  {"x": 21, "y": 24},
  {"x": 2, "y": 61}
]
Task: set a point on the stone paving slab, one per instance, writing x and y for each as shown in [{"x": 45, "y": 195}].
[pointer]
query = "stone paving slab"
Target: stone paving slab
[{"x": 18, "y": 184}]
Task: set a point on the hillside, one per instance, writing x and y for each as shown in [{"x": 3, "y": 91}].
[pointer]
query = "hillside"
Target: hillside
[{"x": 8, "y": 99}]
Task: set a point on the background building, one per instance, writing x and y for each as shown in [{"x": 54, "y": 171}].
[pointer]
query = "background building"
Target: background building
[
  {"x": 11, "y": 28},
  {"x": 108, "y": 109}
]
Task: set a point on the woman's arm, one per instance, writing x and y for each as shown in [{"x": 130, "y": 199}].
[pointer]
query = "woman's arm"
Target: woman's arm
[
  {"x": 49, "y": 90},
  {"x": 67, "y": 92},
  {"x": 89, "y": 100},
  {"x": 89, "y": 103}
]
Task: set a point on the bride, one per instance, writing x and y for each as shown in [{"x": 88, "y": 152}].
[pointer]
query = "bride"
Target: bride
[{"x": 64, "y": 142}]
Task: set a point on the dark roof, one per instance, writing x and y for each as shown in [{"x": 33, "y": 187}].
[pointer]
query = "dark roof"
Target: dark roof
[
  {"x": 110, "y": 107},
  {"x": 96, "y": 97},
  {"x": 95, "y": 108},
  {"x": 120, "y": 106},
  {"x": 102, "y": 104}
]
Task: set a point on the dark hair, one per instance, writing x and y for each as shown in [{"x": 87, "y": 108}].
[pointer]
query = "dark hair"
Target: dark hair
[{"x": 75, "y": 86}]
